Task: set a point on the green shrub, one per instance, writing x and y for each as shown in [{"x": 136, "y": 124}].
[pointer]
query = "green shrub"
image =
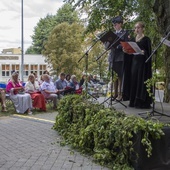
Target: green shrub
[{"x": 104, "y": 133}]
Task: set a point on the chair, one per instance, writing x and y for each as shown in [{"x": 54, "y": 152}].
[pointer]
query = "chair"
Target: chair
[
  {"x": 8, "y": 100},
  {"x": 3, "y": 85},
  {"x": 23, "y": 84},
  {"x": 49, "y": 102}
]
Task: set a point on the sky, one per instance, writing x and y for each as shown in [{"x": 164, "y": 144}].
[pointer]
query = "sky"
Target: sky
[{"x": 10, "y": 20}]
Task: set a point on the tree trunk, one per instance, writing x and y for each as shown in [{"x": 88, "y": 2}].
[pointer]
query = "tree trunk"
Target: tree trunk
[{"x": 162, "y": 11}]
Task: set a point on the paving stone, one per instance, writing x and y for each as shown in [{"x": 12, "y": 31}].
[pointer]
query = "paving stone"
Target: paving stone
[{"x": 26, "y": 144}]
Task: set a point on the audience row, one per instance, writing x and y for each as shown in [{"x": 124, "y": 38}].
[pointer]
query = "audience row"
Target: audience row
[{"x": 35, "y": 93}]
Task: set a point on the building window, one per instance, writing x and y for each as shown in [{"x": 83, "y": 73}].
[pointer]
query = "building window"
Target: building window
[
  {"x": 5, "y": 70},
  {"x": 15, "y": 67},
  {"x": 26, "y": 70},
  {"x": 42, "y": 69},
  {"x": 34, "y": 68}
]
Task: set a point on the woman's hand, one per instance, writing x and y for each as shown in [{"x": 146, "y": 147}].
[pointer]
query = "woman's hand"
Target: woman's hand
[
  {"x": 143, "y": 52},
  {"x": 19, "y": 88},
  {"x": 124, "y": 50}
]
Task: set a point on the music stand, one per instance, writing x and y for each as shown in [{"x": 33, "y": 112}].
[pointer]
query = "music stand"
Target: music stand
[
  {"x": 151, "y": 114},
  {"x": 113, "y": 41}
]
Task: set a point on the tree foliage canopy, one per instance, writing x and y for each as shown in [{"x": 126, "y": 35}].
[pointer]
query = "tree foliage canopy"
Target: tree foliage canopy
[
  {"x": 64, "y": 47},
  {"x": 41, "y": 32},
  {"x": 46, "y": 25},
  {"x": 100, "y": 12},
  {"x": 155, "y": 13}
]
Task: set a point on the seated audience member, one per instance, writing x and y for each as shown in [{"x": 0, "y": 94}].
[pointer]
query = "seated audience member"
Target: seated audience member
[
  {"x": 22, "y": 101},
  {"x": 32, "y": 87},
  {"x": 75, "y": 85},
  {"x": 40, "y": 81},
  {"x": 82, "y": 81},
  {"x": 95, "y": 80},
  {"x": 68, "y": 77},
  {"x": 35, "y": 75},
  {"x": 49, "y": 90},
  {"x": 2, "y": 99},
  {"x": 61, "y": 83},
  {"x": 46, "y": 72},
  {"x": 90, "y": 83}
]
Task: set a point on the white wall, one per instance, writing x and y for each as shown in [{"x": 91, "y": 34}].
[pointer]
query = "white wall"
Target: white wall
[{"x": 16, "y": 59}]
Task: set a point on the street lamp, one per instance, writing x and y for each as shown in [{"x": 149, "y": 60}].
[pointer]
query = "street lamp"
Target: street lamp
[{"x": 22, "y": 42}]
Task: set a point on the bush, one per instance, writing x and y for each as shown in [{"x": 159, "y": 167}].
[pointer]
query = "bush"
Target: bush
[{"x": 104, "y": 133}]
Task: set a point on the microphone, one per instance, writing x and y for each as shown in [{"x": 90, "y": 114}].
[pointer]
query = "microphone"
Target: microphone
[{"x": 129, "y": 32}]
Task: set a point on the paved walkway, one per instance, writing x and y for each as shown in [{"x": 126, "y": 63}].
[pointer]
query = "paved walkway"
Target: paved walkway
[{"x": 29, "y": 143}]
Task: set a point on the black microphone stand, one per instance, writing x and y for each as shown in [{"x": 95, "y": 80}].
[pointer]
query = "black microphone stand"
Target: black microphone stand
[
  {"x": 86, "y": 54},
  {"x": 152, "y": 113},
  {"x": 112, "y": 98}
]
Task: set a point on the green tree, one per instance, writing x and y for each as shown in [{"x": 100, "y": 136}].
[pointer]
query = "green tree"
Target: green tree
[
  {"x": 46, "y": 25},
  {"x": 64, "y": 47},
  {"x": 67, "y": 14},
  {"x": 161, "y": 9},
  {"x": 155, "y": 13},
  {"x": 41, "y": 32},
  {"x": 30, "y": 50}
]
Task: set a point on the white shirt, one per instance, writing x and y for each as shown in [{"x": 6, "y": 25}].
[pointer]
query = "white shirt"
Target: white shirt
[{"x": 31, "y": 87}]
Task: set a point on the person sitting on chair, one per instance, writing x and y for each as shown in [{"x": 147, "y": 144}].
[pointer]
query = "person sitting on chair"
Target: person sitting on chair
[
  {"x": 32, "y": 87},
  {"x": 75, "y": 85},
  {"x": 90, "y": 83},
  {"x": 62, "y": 85},
  {"x": 68, "y": 77},
  {"x": 82, "y": 80},
  {"x": 95, "y": 80},
  {"x": 49, "y": 90},
  {"x": 22, "y": 101},
  {"x": 2, "y": 99}
]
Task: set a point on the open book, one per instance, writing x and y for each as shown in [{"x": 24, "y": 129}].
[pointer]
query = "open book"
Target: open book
[
  {"x": 131, "y": 47},
  {"x": 111, "y": 38}
]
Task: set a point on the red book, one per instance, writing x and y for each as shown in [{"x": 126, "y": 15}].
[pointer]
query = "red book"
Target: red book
[{"x": 131, "y": 47}]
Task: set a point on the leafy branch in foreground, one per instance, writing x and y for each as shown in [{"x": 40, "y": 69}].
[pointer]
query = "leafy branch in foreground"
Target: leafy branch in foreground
[{"x": 108, "y": 135}]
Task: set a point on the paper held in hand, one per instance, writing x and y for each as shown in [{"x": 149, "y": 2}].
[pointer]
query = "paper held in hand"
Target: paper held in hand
[{"x": 131, "y": 47}]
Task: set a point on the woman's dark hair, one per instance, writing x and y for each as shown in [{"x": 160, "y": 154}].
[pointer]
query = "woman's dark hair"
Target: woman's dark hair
[
  {"x": 46, "y": 72},
  {"x": 68, "y": 76}
]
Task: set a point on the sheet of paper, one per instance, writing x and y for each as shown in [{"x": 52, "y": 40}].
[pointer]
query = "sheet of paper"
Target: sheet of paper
[{"x": 135, "y": 47}]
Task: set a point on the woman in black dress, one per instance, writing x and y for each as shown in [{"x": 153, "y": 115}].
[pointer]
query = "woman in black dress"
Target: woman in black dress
[{"x": 140, "y": 70}]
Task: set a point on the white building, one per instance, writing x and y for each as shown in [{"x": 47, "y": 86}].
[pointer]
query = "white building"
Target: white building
[{"x": 12, "y": 62}]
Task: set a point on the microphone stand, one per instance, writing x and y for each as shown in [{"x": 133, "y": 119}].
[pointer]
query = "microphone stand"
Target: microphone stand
[
  {"x": 86, "y": 54},
  {"x": 153, "y": 107},
  {"x": 112, "y": 74},
  {"x": 157, "y": 47}
]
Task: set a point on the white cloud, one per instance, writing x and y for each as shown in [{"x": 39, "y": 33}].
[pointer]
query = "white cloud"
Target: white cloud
[{"x": 10, "y": 20}]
